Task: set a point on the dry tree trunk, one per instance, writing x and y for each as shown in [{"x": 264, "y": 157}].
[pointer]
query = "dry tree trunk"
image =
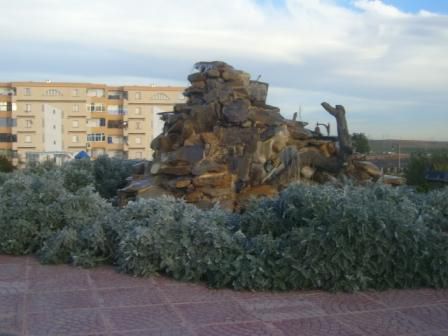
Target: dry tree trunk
[{"x": 345, "y": 140}]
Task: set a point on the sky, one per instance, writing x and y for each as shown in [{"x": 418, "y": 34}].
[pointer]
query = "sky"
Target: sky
[{"x": 385, "y": 61}]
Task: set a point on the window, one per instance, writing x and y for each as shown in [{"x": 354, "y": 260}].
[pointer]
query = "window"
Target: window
[
  {"x": 28, "y": 108},
  {"x": 93, "y": 122},
  {"x": 54, "y": 126},
  {"x": 75, "y": 93},
  {"x": 102, "y": 122},
  {"x": 115, "y": 124},
  {"x": 95, "y": 92},
  {"x": 116, "y": 110},
  {"x": 138, "y": 125},
  {"x": 138, "y": 95},
  {"x": 115, "y": 140},
  {"x": 75, "y": 123},
  {"x": 27, "y": 92},
  {"x": 138, "y": 110},
  {"x": 75, "y": 138},
  {"x": 53, "y": 92},
  {"x": 96, "y": 107},
  {"x": 76, "y": 108},
  {"x": 138, "y": 140},
  {"x": 7, "y": 137},
  {"x": 96, "y": 137},
  {"x": 27, "y": 138},
  {"x": 138, "y": 155},
  {"x": 8, "y": 107},
  {"x": 8, "y": 122},
  {"x": 117, "y": 95},
  {"x": 28, "y": 123},
  {"x": 160, "y": 96}
]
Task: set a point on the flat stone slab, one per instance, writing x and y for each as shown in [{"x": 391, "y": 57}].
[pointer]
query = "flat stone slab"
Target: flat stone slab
[{"x": 63, "y": 300}]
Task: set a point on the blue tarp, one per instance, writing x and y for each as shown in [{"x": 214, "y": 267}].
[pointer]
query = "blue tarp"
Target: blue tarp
[
  {"x": 82, "y": 155},
  {"x": 437, "y": 176}
]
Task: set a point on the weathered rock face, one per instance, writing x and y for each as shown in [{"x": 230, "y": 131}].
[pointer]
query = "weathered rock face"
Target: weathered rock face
[{"x": 225, "y": 144}]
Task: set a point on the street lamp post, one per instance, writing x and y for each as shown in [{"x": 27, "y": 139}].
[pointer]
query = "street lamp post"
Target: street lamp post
[{"x": 399, "y": 156}]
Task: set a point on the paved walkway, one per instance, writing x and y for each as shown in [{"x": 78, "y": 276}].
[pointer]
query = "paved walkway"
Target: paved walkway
[{"x": 63, "y": 300}]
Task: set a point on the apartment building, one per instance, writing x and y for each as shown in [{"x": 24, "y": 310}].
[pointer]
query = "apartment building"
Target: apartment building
[{"x": 46, "y": 117}]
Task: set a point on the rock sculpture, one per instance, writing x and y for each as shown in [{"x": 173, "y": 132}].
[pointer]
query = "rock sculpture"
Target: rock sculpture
[{"x": 225, "y": 144}]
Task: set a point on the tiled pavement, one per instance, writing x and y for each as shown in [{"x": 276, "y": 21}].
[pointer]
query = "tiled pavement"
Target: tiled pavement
[{"x": 63, "y": 300}]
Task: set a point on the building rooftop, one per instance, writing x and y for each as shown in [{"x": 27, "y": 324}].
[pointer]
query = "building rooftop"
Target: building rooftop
[{"x": 149, "y": 87}]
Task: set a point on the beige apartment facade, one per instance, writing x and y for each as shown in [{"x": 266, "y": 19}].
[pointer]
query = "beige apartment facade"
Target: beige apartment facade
[{"x": 45, "y": 117}]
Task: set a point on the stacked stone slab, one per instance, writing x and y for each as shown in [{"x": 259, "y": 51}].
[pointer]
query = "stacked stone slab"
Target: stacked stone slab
[{"x": 225, "y": 144}]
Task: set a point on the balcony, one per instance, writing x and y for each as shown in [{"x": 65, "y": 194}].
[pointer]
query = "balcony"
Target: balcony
[
  {"x": 99, "y": 93},
  {"x": 116, "y": 110},
  {"x": 6, "y": 137},
  {"x": 117, "y": 124},
  {"x": 8, "y": 107},
  {"x": 117, "y": 95},
  {"x": 7, "y": 92}
]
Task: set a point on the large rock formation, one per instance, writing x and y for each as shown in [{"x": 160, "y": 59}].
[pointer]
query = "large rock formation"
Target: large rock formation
[{"x": 226, "y": 145}]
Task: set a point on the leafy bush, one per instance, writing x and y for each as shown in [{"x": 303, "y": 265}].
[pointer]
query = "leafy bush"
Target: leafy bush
[
  {"x": 434, "y": 209},
  {"x": 5, "y": 165},
  {"x": 308, "y": 237},
  {"x": 110, "y": 174},
  {"x": 353, "y": 238},
  {"x": 80, "y": 237},
  {"x": 38, "y": 215},
  {"x": 336, "y": 238},
  {"x": 176, "y": 238},
  {"x": 78, "y": 174},
  {"x": 420, "y": 163}
]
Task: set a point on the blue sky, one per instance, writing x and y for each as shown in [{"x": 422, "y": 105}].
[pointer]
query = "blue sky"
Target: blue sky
[
  {"x": 386, "y": 61},
  {"x": 414, "y": 6},
  {"x": 437, "y": 6}
]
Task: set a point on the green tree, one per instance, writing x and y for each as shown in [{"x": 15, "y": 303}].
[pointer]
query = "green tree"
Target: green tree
[
  {"x": 110, "y": 175},
  {"x": 415, "y": 171},
  {"x": 360, "y": 143},
  {"x": 5, "y": 165},
  {"x": 420, "y": 163}
]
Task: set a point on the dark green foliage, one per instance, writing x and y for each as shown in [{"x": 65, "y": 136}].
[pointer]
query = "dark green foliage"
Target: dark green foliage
[
  {"x": 106, "y": 174},
  {"x": 416, "y": 169},
  {"x": 78, "y": 174},
  {"x": 360, "y": 143},
  {"x": 420, "y": 163},
  {"x": 110, "y": 174},
  {"x": 5, "y": 165}
]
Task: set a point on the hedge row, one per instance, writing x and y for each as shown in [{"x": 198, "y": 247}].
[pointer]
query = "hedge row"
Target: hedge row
[{"x": 327, "y": 237}]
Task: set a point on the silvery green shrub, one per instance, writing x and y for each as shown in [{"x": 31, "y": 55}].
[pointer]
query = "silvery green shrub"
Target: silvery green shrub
[
  {"x": 336, "y": 238},
  {"x": 351, "y": 238},
  {"x": 167, "y": 235},
  {"x": 38, "y": 215}
]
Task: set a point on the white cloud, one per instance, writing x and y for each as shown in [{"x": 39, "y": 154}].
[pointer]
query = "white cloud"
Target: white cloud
[{"x": 372, "y": 51}]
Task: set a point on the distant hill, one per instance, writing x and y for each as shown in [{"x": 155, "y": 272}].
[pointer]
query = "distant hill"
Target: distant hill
[{"x": 407, "y": 146}]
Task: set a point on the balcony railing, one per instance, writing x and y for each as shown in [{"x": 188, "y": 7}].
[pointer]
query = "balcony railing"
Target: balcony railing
[
  {"x": 6, "y": 137},
  {"x": 8, "y": 107},
  {"x": 117, "y": 96},
  {"x": 7, "y": 92}
]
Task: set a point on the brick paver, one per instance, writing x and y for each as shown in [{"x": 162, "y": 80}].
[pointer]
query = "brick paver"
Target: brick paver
[{"x": 62, "y": 300}]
